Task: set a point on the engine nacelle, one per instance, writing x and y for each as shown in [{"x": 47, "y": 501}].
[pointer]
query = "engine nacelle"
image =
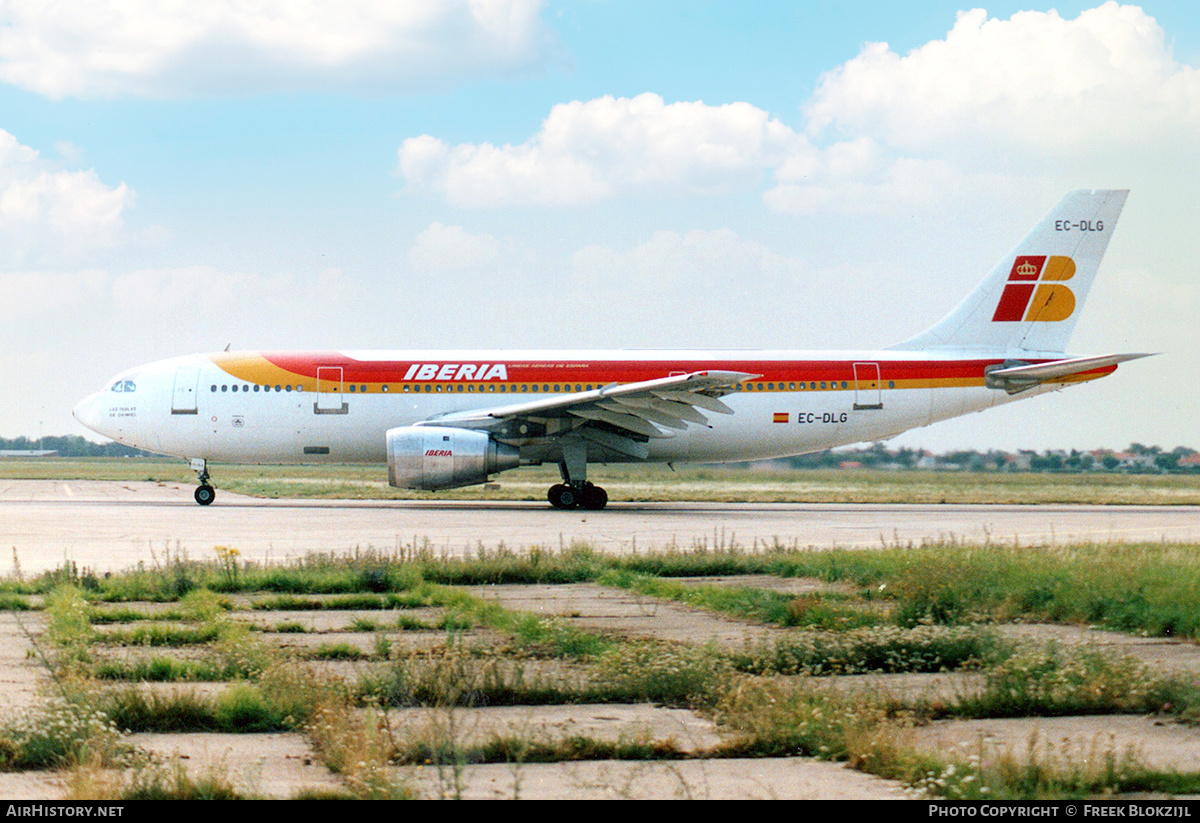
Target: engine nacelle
[{"x": 437, "y": 457}]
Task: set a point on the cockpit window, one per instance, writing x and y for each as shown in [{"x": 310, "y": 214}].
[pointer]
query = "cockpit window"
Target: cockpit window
[{"x": 126, "y": 386}]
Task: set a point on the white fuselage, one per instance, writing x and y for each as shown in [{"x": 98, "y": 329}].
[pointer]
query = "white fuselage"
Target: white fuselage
[{"x": 248, "y": 408}]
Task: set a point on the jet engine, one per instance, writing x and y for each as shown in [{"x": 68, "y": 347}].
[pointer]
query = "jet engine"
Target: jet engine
[{"x": 437, "y": 457}]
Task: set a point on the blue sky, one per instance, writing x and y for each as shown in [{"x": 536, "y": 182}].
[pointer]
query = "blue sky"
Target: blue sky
[{"x": 592, "y": 174}]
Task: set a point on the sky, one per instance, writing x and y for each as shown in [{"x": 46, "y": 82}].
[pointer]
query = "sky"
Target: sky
[{"x": 369, "y": 174}]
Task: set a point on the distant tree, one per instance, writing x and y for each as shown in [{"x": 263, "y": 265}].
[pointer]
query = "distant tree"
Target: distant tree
[
  {"x": 1168, "y": 462},
  {"x": 71, "y": 445}
]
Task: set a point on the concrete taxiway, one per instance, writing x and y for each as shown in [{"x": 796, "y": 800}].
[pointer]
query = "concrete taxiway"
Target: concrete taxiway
[{"x": 112, "y": 526}]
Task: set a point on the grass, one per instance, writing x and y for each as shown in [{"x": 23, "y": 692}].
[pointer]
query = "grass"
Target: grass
[
  {"x": 1151, "y": 589},
  {"x": 819, "y": 610},
  {"x": 876, "y": 649},
  {"x": 727, "y": 483},
  {"x": 897, "y": 609}
]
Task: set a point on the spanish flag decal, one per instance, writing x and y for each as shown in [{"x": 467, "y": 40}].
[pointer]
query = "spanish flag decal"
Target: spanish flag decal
[{"x": 779, "y": 417}]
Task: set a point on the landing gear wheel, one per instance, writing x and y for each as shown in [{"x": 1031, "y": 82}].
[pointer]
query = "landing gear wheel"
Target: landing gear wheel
[
  {"x": 205, "y": 494},
  {"x": 562, "y": 496},
  {"x": 593, "y": 497}
]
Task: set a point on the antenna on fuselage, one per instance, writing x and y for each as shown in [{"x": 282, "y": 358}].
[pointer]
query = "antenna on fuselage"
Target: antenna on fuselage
[{"x": 228, "y": 346}]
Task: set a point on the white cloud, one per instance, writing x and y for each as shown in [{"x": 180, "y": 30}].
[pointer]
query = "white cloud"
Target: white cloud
[
  {"x": 1035, "y": 82},
  {"x": 996, "y": 105},
  {"x": 588, "y": 151},
  {"x": 37, "y": 199},
  {"x": 170, "y": 49}
]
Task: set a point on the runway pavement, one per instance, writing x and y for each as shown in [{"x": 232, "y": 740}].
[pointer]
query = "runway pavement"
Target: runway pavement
[{"x": 112, "y": 526}]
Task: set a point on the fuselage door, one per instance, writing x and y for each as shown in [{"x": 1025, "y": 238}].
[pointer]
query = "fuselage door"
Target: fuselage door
[
  {"x": 329, "y": 391},
  {"x": 867, "y": 389},
  {"x": 183, "y": 396}
]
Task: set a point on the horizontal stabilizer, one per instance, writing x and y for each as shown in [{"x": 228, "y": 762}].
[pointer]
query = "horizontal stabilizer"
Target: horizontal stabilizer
[{"x": 1015, "y": 376}]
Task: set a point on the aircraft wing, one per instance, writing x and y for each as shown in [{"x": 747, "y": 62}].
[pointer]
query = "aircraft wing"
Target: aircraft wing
[
  {"x": 620, "y": 417},
  {"x": 1018, "y": 377}
]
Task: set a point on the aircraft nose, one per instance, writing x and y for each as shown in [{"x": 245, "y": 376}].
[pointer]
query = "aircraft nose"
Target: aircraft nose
[{"x": 90, "y": 413}]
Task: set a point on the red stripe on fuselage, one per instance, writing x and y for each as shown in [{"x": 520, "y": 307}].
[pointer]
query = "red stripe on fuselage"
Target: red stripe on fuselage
[{"x": 305, "y": 364}]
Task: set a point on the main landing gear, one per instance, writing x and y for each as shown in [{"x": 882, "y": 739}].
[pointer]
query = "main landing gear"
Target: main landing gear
[
  {"x": 205, "y": 493},
  {"x": 575, "y": 491},
  {"x": 585, "y": 496}
]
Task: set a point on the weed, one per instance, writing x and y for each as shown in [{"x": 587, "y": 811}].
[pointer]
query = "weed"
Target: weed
[
  {"x": 665, "y": 673},
  {"x": 135, "y": 709},
  {"x": 297, "y": 692},
  {"x": 229, "y": 563},
  {"x": 875, "y": 649},
  {"x": 159, "y": 635},
  {"x": 157, "y": 670},
  {"x": 61, "y": 732},
  {"x": 358, "y": 745},
  {"x": 823, "y": 611},
  {"x": 243, "y": 708},
  {"x": 336, "y": 651},
  {"x": 1058, "y": 680},
  {"x": 68, "y": 628},
  {"x": 238, "y": 653}
]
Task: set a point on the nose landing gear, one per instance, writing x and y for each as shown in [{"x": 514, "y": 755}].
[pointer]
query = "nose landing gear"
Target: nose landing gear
[{"x": 205, "y": 493}]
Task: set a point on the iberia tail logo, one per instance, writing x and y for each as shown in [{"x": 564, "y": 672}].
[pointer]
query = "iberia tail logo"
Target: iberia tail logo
[{"x": 1035, "y": 292}]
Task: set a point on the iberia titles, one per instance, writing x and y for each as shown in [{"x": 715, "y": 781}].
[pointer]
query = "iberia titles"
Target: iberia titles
[{"x": 456, "y": 371}]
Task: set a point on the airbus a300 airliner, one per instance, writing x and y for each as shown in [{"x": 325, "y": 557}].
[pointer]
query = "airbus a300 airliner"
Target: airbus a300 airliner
[{"x": 444, "y": 419}]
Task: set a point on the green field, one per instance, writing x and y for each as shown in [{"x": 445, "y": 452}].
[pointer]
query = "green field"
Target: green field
[{"x": 651, "y": 483}]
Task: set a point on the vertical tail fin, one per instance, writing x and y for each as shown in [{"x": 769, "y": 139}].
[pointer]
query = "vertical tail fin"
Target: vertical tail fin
[{"x": 1030, "y": 301}]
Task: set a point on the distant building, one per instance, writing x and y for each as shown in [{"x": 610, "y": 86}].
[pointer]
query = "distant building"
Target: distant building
[{"x": 5, "y": 454}]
